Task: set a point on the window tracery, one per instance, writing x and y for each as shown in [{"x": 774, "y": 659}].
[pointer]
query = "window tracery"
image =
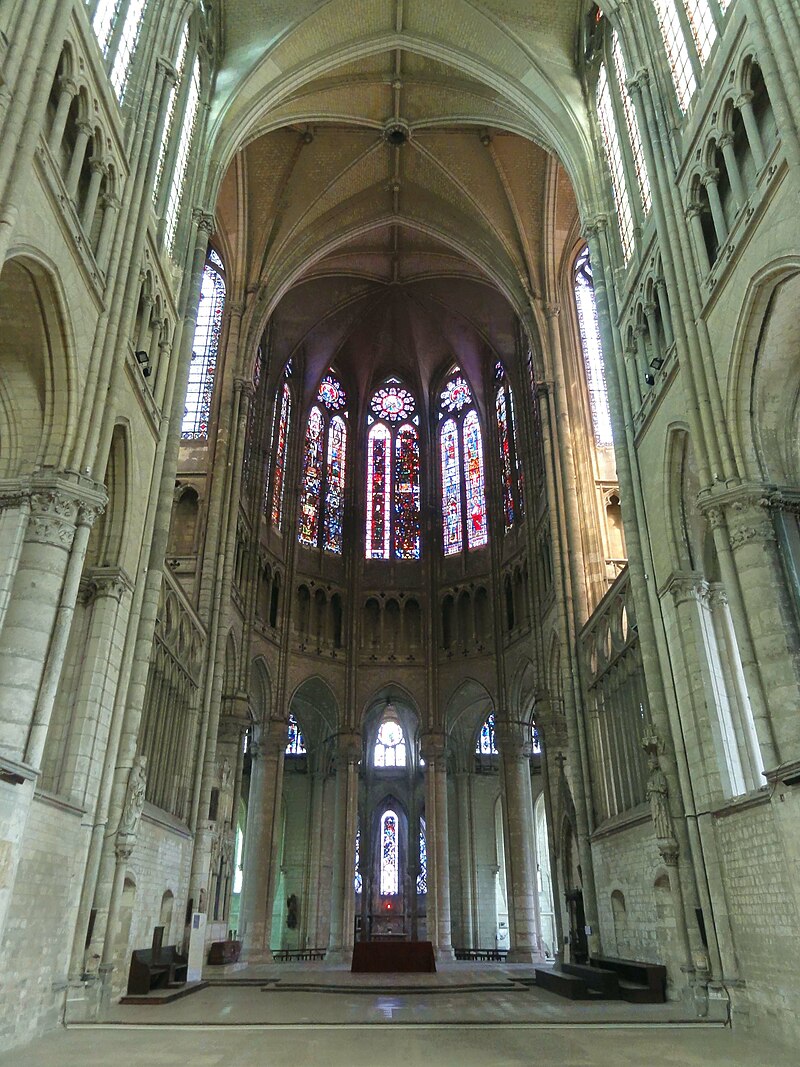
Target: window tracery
[
  {"x": 487, "y": 740},
  {"x": 182, "y": 157},
  {"x": 324, "y": 469},
  {"x": 393, "y": 475},
  {"x": 632, "y": 122},
  {"x": 358, "y": 881},
  {"x": 390, "y": 744},
  {"x": 205, "y": 350},
  {"x": 422, "y": 877},
  {"x": 463, "y": 490}
]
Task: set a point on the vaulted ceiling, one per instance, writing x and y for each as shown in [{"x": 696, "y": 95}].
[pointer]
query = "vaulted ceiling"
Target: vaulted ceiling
[{"x": 388, "y": 199}]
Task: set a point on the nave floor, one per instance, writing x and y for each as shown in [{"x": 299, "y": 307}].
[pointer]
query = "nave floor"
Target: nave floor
[{"x": 466, "y": 1015}]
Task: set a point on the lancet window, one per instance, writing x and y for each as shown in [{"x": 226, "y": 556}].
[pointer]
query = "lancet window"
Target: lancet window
[
  {"x": 461, "y": 458},
  {"x": 487, "y": 741},
  {"x": 390, "y": 859},
  {"x": 689, "y": 30},
  {"x": 510, "y": 466},
  {"x": 296, "y": 745},
  {"x": 358, "y": 881},
  {"x": 592, "y": 349},
  {"x": 613, "y": 151},
  {"x": 179, "y": 173},
  {"x": 632, "y": 122},
  {"x": 393, "y": 474},
  {"x": 205, "y": 351},
  {"x": 252, "y": 428},
  {"x": 117, "y": 25},
  {"x": 324, "y": 469},
  {"x": 280, "y": 437},
  {"x": 422, "y": 876}
]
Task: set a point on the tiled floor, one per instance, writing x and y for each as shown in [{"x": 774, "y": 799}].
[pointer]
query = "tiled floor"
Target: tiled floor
[{"x": 479, "y": 1017}]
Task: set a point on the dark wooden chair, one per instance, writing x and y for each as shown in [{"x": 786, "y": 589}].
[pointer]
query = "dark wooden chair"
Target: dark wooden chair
[{"x": 156, "y": 968}]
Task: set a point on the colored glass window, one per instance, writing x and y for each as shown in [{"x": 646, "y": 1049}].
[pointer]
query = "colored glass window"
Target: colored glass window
[
  {"x": 331, "y": 394},
  {"x": 311, "y": 493},
  {"x": 487, "y": 741},
  {"x": 358, "y": 884},
  {"x": 406, "y": 494},
  {"x": 456, "y": 395},
  {"x": 335, "y": 481},
  {"x": 296, "y": 745},
  {"x": 390, "y": 860},
  {"x": 451, "y": 489},
  {"x": 280, "y": 442},
  {"x": 477, "y": 533},
  {"x": 393, "y": 403},
  {"x": 379, "y": 491},
  {"x": 422, "y": 877},
  {"x": 205, "y": 351},
  {"x": 505, "y": 457}
]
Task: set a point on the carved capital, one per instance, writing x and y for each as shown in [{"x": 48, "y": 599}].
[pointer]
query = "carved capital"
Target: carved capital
[
  {"x": 637, "y": 81},
  {"x": 710, "y": 177},
  {"x": 203, "y": 220},
  {"x": 694, "y": 209},
  {"x": 726, "y": 140},
  {"x": 53, "y": 518},
  {"x": 552, "y": 311},
  {"x": 433, "y": 746},
  {"x": 594, "y": 226},
  {"x": 348, "y": 747}
]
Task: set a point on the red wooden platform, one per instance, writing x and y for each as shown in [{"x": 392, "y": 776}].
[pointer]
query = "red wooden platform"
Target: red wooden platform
[{"x": 374, "y": 957}]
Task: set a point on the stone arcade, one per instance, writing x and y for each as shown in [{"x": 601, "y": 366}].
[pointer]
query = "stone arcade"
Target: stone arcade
[{"x": 346, "y": 638}]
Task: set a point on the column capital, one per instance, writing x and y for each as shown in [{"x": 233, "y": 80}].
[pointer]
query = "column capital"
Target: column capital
[
  {"x": 725, "y": 140},
  {"x": 245, "y": 387},
  {"x": 693, "y": 209},
  {"x": 710, "y": 177},
  {"x": 348, "y": 746},
  {"x": 433, "y": 745},
  {"x": 594, "y": 226},
  {"x": 743, "y": 99},
  {"x": 637, "y": 81},
  {"x": 203, "y": 220}
]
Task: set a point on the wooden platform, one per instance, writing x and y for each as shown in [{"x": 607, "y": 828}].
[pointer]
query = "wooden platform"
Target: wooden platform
[{"x": 387, "y": 957}]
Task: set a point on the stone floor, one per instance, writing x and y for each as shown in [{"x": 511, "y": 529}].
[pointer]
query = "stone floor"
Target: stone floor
[{"x": 486, "y": 1017}]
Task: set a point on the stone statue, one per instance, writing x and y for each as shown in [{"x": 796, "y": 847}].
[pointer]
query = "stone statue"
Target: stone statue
[
  {"x": 225, "y": 773},
  {"x": 134, "y": 799},
  {"x": 291, "y": 912},
  {"x": 658, "y": 797}
]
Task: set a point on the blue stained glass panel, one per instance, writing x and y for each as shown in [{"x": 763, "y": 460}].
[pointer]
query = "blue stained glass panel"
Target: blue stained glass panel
[
  {"x": 379, "y": 492},
  {"x": 389, "y": 855},
  {"x": 310, "y": 499},
  {"x": 422, "y": 877},
  {"x": 334, "y": 485},
  {"x": 487, "y": 743},
  {"x": 451, "y": 489},
  {"x": 477, "y": 533},
  {"x": 296, "y": 745},
  {"x": 406, "y": 495}
]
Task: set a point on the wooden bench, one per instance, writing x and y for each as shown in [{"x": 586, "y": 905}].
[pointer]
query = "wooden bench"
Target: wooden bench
[
  {"x": 639, "y": 983},
  {"x": 156, "y": 968},
  {"x": 562, "y": 983},
  {"x": 602, "y": 981},
  {"x": 490, "y": 955},
  {"x": 288, "y": 955}
]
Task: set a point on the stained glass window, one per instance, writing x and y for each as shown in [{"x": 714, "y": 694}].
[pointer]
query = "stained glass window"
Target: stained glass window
[
  {"x": 182, "y": 157},
  {"x": 390, "y": 745},
  {"x": 512, "y": 425},
  {"x": 456, "y": 394},
  {"x": 422, "y": 877},
  {"x": 324, "y": 469},
  {"x": 608, "y": 128},
  {"x": 592, "y": 350},
  {"x": 379, "y": 491},
  {"x": 505, "y": 457},
  {"x": 390, "y": 860},
  {"x": 477, "y": 533},
  {"x": 393, "y": 403},
  {"x": 677, "y": 51},
  {"x": 406, "y": 494},
  {"x": 296, "y": 745},
  {"x": 335, "y": 475},
  {"x": 126, "y": 47},
  {"x": 331, "y": 394},
  {"x": 393, "y": 475},
  {"x": 487, "y": 742},
  {"x": 311, "y": 493},
  {"x": 357, "y": 879},
  {"x": 279, "y": 448},
  {"x": 632, "y": 122},
  {"x": 205, "y": 349},
  {"x": 451, "y": 489},
  {"x": 249, "y": 441}
]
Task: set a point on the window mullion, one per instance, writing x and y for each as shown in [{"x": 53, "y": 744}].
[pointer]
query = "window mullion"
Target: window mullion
[
  {"x": 688, "y": 36},
  {"x": 173, "y": 140},
  {"x": 628, "y": 162}
]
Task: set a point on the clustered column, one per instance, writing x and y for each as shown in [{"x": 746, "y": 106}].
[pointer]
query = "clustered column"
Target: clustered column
[
  {"x": 434, "y": 752},
  {"x": 342, "y": 932}
]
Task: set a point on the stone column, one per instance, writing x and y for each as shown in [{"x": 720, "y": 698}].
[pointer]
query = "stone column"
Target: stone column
[
  {"x": 466, "y": 857},
  {"x": 262, "y": 842},
  {"x": 523, "y": 904},
  {"x": 434, "y": 752},
  {"x": 711, "y": 182},
  {"x": 340, "y": 942},
  {"x": 68, "y": 90}
]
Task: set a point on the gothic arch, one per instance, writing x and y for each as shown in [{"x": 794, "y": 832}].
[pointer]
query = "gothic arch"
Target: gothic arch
[
  {"x": 36, "y": 402},
  {"x": 260, "y": 691}
]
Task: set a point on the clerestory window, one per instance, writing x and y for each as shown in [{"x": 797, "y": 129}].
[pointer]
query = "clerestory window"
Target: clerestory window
[
  {"x": 280, "y": 437},
  {"x": 205, "y": 351},
  {"x": 324, "y": 469},
  {"x": 592, "y": 349},
  {"x": 510, "y": 466},
  {"x": 393, "y": 474},
  {"x": 461, "y": 456},
  {"x": 117, "y": 26}
]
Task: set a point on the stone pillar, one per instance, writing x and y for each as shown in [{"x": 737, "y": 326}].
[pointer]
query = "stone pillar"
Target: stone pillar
[
  {"x": 711, "y": 182},
  {"x": 262, "y": 842},
  {"x": 466, "y": 858},
  {"x": 434, "y": 752},
  {"x": 340, "y": 942},
  {"x": 745, "y": 105},
  {"x": 68, "y": 90},
  {"x": 515, "y": 746}
]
